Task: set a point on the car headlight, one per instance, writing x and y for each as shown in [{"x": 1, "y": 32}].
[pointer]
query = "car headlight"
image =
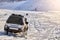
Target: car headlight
[{"x": 6, "y": 25}]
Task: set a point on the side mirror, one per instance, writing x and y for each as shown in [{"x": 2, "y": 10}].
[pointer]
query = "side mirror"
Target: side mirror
[{"x": 26, "y": 22}]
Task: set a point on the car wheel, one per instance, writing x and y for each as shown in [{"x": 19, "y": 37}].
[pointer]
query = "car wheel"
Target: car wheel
[{"x": 6, "y": 31}]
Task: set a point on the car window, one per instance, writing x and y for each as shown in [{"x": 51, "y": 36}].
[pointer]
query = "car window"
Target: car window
[{"x": 15, "y": 20}]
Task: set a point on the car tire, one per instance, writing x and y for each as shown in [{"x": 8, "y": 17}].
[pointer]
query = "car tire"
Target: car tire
[{"x": 6, "y": 30}]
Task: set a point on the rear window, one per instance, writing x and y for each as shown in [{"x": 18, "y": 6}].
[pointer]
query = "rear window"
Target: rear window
[{"x": 15, "y": 19}]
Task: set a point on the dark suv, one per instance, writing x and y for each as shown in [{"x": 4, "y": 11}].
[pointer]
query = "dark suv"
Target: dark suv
[{"x": 16, "y": 24}]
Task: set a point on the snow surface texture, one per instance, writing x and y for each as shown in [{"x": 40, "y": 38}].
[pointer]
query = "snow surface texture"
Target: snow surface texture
[
  {"x": 42, "y": 25},
  {"x": 33, "y": 5}
]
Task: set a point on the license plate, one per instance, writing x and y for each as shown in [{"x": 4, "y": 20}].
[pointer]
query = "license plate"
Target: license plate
[{"x": 14, "y": 28}]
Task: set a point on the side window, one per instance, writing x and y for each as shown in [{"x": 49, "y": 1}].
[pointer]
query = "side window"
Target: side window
[{"x": 21, "y": 21}]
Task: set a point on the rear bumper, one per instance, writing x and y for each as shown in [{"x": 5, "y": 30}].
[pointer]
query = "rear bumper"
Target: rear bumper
[{"x": 13, "y": 30}]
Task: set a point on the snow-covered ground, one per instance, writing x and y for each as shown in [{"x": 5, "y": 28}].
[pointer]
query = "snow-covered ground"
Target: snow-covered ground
[{"x": 42, "y": 25}]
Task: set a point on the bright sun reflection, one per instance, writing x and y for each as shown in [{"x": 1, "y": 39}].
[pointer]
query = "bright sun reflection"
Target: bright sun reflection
[{"x": 55, "y": 4}]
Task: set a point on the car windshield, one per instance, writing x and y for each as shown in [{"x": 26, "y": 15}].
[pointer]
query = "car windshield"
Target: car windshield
[{"x": 15, "y": 19}]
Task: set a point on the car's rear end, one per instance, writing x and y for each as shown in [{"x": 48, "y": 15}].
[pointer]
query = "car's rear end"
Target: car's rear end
[{"x": 15, "y": 24}]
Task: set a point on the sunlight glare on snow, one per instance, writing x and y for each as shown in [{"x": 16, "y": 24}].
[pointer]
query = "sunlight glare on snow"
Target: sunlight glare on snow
[{"x": 55, "y": 4}]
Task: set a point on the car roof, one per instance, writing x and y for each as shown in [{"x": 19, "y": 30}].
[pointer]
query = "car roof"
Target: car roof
[{"x": 21, "y": 16}]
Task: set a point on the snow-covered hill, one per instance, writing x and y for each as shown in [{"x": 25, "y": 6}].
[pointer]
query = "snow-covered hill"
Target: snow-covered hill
[
  {"x": 40, "y": 5},
  {"x": 33, "y": 5},
  {"x": 9, "y": 0},
  {"x": 42, "y": 25},
  {"x": 10, "y": 5}
]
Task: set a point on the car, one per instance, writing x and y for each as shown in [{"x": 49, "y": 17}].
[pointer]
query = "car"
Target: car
[{"x": 16, "y": 24}]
